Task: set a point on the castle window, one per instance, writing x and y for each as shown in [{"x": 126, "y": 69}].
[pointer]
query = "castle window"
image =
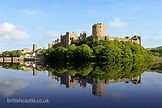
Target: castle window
[{"x": 71, "y": 38}]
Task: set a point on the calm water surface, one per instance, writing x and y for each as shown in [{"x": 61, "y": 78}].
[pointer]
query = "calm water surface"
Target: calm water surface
[{"x": 64, "y": 91}]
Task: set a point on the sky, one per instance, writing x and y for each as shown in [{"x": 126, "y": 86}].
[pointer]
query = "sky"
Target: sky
[{"x": 27, "y": 22}]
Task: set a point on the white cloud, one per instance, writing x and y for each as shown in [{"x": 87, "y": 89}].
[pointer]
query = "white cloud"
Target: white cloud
[
  {"x": 10, "y": 86},
  {"x": 31, "y": 13},
  {"x": 53, "y": 34},
  {"x": 9, "y": 32},
  {"x": 117, "y": 23}
]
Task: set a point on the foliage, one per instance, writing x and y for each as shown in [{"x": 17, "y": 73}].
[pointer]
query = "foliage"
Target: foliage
[
  {"x": 100, "y": 71},
  {"x": 156, "y": 68},
  {"x": 13, "y": 53},
  {"x": 156, "y": 51},
  {"x": 56, "y": 54},
  {"x": 14, "y": 66},
  {"x": 100, "y": 50},
  {"x": 105, "y": 70}
]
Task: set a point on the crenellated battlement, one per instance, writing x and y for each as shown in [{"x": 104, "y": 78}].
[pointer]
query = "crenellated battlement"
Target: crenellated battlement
[{"x": 98, "y": 33}]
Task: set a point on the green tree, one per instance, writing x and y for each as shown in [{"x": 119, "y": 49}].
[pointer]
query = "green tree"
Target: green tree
[
  {"x": 83, "y": 52},
  {"x": 70, "y": 53}
]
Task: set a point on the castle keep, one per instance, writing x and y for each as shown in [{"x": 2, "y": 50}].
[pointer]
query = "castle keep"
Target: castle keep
[{"x": 98, "y": 33}]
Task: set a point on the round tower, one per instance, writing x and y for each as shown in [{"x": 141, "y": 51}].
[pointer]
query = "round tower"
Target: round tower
[
  {"x": 99, "y": 88},
  {"x": 98, "y": 31}
]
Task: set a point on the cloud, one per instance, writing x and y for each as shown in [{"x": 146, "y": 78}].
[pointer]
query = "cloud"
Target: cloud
[
  {"x": 53, "y": 34},
  {"x": 31, "y": 13},
  {"x": 117, "y": 23},
  {"x": 9, "y": 32},
  {"x": 118, "y": 95},
  {"x": 10, "y": 86}
]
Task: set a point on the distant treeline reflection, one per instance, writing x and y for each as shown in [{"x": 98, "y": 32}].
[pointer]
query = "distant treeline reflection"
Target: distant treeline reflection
[{"x": 106, "y": 70}]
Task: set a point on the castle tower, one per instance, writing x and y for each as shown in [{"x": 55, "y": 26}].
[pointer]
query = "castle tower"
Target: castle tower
[
  {"x": 99, "y": 31},
  {"x": 35, "y": 47},
  {"x": 99, "y": 88},
  {"x": 70, "y": 82}
]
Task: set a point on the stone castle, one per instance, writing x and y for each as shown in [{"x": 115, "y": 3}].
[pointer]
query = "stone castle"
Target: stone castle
[{"x": 98, "y": 33}]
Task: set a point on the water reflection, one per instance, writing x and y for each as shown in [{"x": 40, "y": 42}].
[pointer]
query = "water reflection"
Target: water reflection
[
  {"x": 10, "y": 86},
  {"x": 97, "y": 75},
  {"x": 114, "y": 85}
]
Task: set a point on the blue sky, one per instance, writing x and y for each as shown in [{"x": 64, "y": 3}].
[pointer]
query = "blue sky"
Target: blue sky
[{"x": 24, "y": 22}]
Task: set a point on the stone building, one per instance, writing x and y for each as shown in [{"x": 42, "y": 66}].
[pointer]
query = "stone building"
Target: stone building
[
  {"x": 35, "y": 72},
  {"x": 82, "y": 35},
  {"x": 99, "y": 88},
  {"x": 26, "y": 50},
  {"x": 68, "y": 80},
  {"x": 68, "y": 38},
  {"x": 98, "y": 33},
  {"x": 36, "y": 50},
  {"x": 35, "y": 47}
]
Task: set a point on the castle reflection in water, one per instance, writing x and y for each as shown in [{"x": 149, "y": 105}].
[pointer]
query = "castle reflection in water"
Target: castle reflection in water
[{"x": 98, "y": 86}]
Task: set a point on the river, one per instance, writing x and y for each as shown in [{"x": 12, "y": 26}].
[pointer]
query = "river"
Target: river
[{"x": 30, "y": 87}]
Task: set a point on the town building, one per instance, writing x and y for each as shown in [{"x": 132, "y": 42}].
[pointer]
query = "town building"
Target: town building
[{"x": 26, "y": 50}]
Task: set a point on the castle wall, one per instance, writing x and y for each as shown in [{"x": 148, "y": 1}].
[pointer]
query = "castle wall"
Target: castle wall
[
  {"x": 11, "y": 59},
  {"x": 7, "y": 59},
  {"x": 17, "y": 59},
  {"x": 49, "y": 45},
  {"x": 70, "y": 38},
  {"x": 98, "y": 33},
  {"x": 1, "y": 59},
  {"x": 82, "y": 35}
]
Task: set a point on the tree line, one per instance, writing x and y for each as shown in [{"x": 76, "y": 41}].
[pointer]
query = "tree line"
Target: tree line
[
  {"x": 104, "y": 70},
  {"x": 156, "y": 51},
  {"x": 13, "y": 53},
  {"x": 89, "y": 70},
  {"x": 96, "y": 51}
]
